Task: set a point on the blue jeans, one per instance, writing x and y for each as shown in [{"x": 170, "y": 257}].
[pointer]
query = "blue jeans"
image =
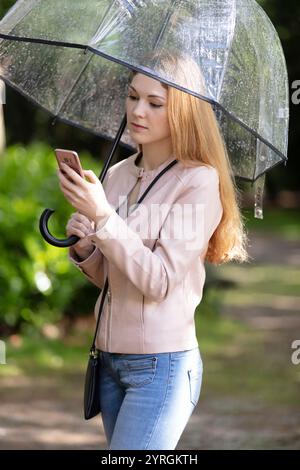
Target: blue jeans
[{"x": 147, "y": 399}]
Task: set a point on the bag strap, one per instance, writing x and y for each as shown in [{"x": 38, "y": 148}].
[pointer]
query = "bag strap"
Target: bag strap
[{"x": 93, "y": 351}]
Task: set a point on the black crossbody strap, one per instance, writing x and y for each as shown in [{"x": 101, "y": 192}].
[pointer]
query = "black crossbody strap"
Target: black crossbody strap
[{"x": 105, "y": 288}]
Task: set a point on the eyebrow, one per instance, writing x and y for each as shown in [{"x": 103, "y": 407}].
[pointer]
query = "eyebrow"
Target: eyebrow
[{"x": 149, "y": 96}]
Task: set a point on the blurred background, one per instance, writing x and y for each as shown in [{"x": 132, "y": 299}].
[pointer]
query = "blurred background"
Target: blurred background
[{"x": 248, "y": 322}]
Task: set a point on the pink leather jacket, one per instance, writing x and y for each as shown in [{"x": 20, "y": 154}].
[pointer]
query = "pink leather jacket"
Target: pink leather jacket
[{"x": 154, "y": 257}]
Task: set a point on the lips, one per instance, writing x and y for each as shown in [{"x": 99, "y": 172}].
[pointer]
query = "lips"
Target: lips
[{"x": 137, "y": 125}]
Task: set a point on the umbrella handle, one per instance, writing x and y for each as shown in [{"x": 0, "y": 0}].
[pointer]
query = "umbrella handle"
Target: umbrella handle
[{"x": 62, "y": 243}]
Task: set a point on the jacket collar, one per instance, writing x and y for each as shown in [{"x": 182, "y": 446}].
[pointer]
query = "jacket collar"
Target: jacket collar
[{"x": 139, "y": 172}]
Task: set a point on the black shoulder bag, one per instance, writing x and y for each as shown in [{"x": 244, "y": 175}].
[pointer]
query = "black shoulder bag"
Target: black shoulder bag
[{"x": 92, "y": 405}]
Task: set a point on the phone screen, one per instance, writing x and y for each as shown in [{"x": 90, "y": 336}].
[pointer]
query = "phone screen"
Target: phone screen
[{"x": 70, "y": 158}]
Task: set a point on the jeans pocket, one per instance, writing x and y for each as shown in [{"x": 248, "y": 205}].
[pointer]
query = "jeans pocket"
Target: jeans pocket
[
  {"x": 195, "y": 381},
  {"x": 138, "y": 371}
]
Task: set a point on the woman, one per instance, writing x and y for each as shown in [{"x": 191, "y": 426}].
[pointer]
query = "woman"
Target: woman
[{"x": 151, "y": 376}]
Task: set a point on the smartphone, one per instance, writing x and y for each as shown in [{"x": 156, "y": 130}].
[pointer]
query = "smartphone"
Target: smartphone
[{"x": 71, "y": 158}]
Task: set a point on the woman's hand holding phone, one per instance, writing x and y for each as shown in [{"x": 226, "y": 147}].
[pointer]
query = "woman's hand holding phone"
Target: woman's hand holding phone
[{"x": 88, "y": 197}]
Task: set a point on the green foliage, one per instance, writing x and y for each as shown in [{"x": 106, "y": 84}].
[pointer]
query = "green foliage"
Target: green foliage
[
  {"x": 38, "y": 355},
  {"x": 281, "y": 222},
  {"x": 5, "y": 6},
  {"x": 37, "y": 281}
]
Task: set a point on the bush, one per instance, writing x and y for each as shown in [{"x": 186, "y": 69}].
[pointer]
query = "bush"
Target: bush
[{"x": 38, "y": 284}]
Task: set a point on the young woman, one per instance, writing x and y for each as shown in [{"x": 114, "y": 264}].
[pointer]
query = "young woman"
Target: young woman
[{"x": 154, "y": 255}]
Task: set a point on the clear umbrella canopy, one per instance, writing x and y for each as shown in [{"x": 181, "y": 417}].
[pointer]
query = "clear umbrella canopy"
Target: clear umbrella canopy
[{"x": 74, "y": 58}]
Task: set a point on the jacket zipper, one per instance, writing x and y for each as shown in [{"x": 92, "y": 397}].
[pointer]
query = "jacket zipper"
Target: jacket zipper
[
  {"x": 109, "y": 312},
  {"x": 109, "y": 290},
  {"x": 109, "y": 316}
]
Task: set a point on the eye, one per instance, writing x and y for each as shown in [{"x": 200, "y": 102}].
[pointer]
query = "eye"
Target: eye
[{"x": 152, "y": 104}]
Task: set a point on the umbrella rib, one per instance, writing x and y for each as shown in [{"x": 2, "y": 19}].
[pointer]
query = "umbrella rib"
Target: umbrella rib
[
  {"x": 166, "y": 21},
  {"x": 227, "y": 58},
  {"x": 50, "y": 42},
  {"x": 108, "y": 28},
  {"x": 104, "y": 16},
  {"x": 72, "y": 87},
  {"x": 85, "y": 65}
]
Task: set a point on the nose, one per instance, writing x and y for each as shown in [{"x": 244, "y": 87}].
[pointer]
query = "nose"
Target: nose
[{"x": 138, "y": 109}]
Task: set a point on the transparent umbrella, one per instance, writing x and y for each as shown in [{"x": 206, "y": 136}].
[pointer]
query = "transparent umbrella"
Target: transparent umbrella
[{"x": 74, "y": 58}]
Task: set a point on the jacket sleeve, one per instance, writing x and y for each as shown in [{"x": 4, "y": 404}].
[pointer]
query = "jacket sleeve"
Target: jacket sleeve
[
  {"x": 183, "y": 237},
  {"x": 92, "y": 266}
]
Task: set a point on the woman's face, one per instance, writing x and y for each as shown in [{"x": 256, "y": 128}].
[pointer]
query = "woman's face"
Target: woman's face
[{"x": 147, "y": 111}]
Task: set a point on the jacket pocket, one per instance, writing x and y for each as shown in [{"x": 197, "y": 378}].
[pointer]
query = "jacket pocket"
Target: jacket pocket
[
  {"x": 195, "y": 381},
  {"x": 138, "y": 371}
]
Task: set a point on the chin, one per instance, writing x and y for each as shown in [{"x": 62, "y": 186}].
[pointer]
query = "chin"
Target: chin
[{"x": 140, "y": 141}]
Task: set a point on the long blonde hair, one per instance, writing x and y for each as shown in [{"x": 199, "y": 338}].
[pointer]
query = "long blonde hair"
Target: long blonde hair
[{"x": 197, "y": 140}]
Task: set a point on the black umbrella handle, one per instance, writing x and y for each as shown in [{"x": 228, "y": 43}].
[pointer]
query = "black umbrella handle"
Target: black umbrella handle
[
  {"x": 43, "y": 225},
  {"x": 62, "y": 243}
]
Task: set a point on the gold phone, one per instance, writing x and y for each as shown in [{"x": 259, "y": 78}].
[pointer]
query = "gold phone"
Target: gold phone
[{"x": 71, "y": 158}]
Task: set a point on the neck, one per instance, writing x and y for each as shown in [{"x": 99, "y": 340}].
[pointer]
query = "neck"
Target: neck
[{"x": 155, "y": 154}]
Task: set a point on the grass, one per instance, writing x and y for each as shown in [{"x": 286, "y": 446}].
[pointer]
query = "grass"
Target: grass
[
  {"x": 281, "y": 222},
  {"x": 242, "y": 360},
  {"x": 260, "y": 284},
  {"x": 43, "y": 356},
  {"x": 239, "y": 362}
]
